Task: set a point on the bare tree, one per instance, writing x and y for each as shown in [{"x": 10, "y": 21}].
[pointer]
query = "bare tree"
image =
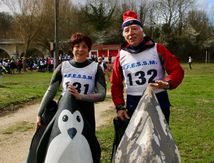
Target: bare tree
[
  {"x": 172, "y": 13},
  {"x": 184, "y": 7},
  {"x": 28, "y": 20},
  {"x": 6, "y": 25},
  {"x": 200, "y": 22}
]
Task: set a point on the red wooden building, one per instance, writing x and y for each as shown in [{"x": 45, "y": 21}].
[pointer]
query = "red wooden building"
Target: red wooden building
[{"x": 106, "y": 51}]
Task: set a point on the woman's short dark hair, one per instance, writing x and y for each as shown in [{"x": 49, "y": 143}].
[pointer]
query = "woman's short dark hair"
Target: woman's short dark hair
[{"x": 80, "y": 37}]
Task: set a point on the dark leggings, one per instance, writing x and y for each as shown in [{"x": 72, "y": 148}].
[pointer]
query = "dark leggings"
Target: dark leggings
[
  {"x": 162, "y": 97},
  {"x": 166, "y": 113}
]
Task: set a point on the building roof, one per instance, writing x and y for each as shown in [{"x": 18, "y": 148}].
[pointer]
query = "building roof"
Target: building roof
[{"x": 105, "y": 46}]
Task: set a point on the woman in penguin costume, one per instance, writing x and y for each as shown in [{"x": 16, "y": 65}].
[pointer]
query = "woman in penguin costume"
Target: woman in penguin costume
[{"x": 83, "y": 83}]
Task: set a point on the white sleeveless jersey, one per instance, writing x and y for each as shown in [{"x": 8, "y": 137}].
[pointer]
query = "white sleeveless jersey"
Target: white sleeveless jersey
[
  {"x": 83, "y": 79},
  {"x": 140, "y": 69}
]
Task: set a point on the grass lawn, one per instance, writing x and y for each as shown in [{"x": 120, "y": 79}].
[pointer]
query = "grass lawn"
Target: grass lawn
[
  {"x": 192, "y": 111},
  {"x": 192, "y": 117},
  {"x": 20, "y": 88}
]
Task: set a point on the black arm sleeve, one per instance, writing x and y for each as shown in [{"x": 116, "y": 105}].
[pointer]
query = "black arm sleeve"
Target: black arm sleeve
[{"x": 51, "y": 91}]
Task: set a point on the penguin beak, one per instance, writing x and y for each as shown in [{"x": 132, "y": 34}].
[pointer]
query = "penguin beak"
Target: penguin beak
[{"x": 72, "y": 132}]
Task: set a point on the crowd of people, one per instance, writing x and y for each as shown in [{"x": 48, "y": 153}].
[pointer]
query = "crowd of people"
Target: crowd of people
[
  {"x": 40, "y": 64},
  {"x": 11, "y": 65}
]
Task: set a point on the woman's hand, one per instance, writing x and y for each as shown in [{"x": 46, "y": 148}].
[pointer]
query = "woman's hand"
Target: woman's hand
[
  {"x": 74, "y": 92},
  {"x": 38, "y": 122}
]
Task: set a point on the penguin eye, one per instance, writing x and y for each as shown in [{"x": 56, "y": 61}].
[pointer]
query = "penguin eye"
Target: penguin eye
[
  {"x": 65, "y": 118},
  {"x": 78, "y": 118}
]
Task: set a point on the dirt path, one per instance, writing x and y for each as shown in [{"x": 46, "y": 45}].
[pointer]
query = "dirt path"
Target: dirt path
[{"x": 14, "y": 147}]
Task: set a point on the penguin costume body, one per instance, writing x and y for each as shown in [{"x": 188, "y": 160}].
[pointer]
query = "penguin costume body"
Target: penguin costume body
[
  {"x": 69, "y": 137},
  {"x": 48, "y": 115},
  {"x": 70, "y": 149}
]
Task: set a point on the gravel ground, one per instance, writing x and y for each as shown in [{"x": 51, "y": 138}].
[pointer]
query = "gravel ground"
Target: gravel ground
[{"x": 14, "y": 147}]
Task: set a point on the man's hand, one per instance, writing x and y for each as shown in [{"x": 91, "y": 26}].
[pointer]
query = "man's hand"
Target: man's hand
[
  {"x": 160, "y": 84},
  {"x": 122, "y": 114}
]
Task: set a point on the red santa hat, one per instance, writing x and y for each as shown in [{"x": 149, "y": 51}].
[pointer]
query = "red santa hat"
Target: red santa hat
[{"x": 129, "y": 18}]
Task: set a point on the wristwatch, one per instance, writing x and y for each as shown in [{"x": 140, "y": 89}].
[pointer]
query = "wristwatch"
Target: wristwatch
[
  {"x": 169, "y": 84},
  {"x": 120, "y": 107}
]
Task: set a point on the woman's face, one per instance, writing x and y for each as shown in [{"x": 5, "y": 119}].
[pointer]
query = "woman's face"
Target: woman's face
[{"x": 80, "y": 52}]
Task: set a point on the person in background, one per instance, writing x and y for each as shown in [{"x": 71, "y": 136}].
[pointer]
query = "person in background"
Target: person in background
[
  {"x": 50, "y": 64},
  {"x": 19, "y": 65},
  {"x": 190, "y": 62},
  {"x": 142, "y": 62},
  {"x": 102, "y": 65},
  {"x": 1, "y": 71}
]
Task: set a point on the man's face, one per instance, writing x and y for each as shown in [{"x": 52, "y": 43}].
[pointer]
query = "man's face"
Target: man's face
[{"x": 133, "y": 34}]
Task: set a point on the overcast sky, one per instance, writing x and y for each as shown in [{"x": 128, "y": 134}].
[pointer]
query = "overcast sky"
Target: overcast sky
[
  {"x": 3, "y": 8},
  {"x": 207, "y": 5}
]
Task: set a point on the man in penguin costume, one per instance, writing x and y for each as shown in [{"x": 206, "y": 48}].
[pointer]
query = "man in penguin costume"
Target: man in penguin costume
[
  {"x": 74, "y": 121},
  {"x": 68, "y": 137}
]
